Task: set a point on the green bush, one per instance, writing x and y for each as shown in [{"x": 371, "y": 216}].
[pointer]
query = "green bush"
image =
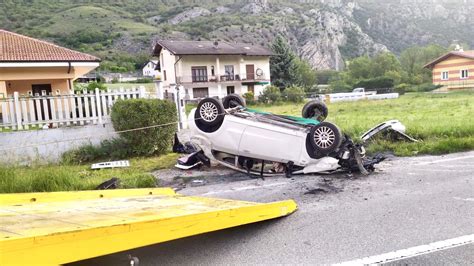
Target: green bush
[
  {"x": 427, "y": 87},
  {"x": 339, "y": 86},
  {"x": 294, "y": 94},
  {"x": 270, "y": 94},
  {"x": 249, "y": 98},
  {"x": 402, "y": 88},
  {"x": 139, "y": 113},
  {"x": 375, "y": 83}
]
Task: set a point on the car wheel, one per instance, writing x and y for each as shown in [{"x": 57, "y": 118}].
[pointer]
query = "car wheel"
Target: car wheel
[
  {"x": 315, "y": 109},
  {"x": 209, "y": 115},
  {"x": 325, "y": 138},
  {"x": 233, "y": 100}
]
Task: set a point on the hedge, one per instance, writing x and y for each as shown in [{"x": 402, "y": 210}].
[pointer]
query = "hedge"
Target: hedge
[{"x": 139, "y": 113}]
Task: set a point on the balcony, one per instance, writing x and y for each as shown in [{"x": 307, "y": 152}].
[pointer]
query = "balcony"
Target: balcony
[{"x": 222, "y": 78}]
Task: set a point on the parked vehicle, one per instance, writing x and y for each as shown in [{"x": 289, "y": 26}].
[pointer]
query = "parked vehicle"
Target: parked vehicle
[{"x": 262, "y": 143}]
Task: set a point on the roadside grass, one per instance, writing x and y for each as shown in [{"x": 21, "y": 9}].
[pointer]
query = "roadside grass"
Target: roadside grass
[
  {"x": 444, "y": 122},
  {"x": 80, "y": 177}
]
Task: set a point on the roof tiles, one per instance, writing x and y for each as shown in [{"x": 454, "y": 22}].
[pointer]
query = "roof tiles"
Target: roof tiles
[{"x": 19, "y": 48}]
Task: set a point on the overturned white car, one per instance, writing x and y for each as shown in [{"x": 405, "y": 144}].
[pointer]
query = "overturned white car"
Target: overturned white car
[{"x": 264, "y": 144}]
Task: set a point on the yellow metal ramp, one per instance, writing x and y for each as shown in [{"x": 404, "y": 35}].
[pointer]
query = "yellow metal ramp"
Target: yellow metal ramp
[{"x": 62, "y": 227}]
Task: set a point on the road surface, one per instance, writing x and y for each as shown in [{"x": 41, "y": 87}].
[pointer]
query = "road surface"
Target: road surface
[{"x": 393, "y": 213}]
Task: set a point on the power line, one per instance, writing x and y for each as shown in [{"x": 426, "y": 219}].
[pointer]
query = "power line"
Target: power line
[{"x": 95, "y": 136}]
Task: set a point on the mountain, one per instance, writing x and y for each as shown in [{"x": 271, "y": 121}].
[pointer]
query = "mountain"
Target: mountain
[{"x": 325, "y": 32}]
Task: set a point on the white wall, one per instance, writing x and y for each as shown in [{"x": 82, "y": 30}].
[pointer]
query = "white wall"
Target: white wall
[
  {"x": 167, "y": 61},
  {"x": 149, "y": 69},
  {"x": 51, "y": 152}
]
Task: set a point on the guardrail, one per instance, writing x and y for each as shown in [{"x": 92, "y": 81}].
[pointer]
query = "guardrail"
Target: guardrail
[{"x": 356, "y": 96}]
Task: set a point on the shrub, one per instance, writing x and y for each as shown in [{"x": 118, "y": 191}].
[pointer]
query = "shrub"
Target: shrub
[
  {"x": 93, "y": 85},
  {"x": 402, "y": 88},
  {"x": 427, "y": 87},
  {"x": 294, "y": 94},
  {"x": 270, "y": 94},
  {"x": 249, "y": 98},
  {"x": 138, "y": 113},
  {"x": 339, "y": 86}
]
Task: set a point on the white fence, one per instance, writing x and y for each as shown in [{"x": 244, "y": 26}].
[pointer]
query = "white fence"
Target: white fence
[
  {"x": 356, "y": 96},
  {"x": 22, "y": 112}
]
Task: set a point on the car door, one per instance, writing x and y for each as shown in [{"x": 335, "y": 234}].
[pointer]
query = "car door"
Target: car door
[{"x": 270, "y": 142}]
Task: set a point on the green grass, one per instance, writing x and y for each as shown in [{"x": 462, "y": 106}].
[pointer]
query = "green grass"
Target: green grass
[
  {"x": 444, "y": 122},
  {"x": 72, "y": 177},
  {"x": 80, "y": 17}
]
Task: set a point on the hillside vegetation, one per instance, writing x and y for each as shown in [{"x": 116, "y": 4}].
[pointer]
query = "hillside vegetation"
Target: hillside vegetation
[{"x": 325, "y": 33}]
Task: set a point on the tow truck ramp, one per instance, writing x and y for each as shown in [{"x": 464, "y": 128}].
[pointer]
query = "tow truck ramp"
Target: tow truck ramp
[{"x": 62, "y": 227}]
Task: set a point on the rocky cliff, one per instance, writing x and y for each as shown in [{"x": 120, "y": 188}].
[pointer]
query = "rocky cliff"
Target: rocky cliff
[{"x": 325, "y": 32}]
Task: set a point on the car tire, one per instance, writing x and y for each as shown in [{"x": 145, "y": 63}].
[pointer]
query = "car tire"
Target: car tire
[
  {"x": 233, "y": 100},
  {"x": 315, "y": 109},
  {"x": 325, "y": 138},
  {"x": 209, "y": 115}
]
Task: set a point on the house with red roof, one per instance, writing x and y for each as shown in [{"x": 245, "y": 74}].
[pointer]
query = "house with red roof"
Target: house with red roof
[
  {"x": 31, "y": 66},
  {"x": 454, "y": 70}
]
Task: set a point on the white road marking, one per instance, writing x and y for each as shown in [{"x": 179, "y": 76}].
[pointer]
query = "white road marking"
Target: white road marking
[
  {"x": 464, "y": 199},
  {"x": 246, "y": 188},
  {"x": 446, "y": 160},
  {"x": 413, "y": 251}
]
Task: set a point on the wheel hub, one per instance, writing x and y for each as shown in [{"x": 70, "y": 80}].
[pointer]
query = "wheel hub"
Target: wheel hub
[
  {"x": 324, "y": 137},
  {"x": 208, "y": 112}
]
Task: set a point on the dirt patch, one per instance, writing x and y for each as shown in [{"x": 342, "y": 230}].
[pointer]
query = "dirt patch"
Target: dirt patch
[{"x": 323, "y": 188}]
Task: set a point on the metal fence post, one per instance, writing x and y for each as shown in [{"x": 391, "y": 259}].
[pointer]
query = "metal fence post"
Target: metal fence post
[{"x": 16, "y": 103}]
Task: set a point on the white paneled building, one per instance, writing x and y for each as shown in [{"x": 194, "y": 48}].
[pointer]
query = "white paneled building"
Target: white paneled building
[
  {"x": 149, "y": 70},
  {"x": 210, "y": 69}
]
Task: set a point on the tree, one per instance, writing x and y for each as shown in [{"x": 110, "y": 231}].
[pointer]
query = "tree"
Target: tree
[
  {"x": 384, "y": 63},
  {"x": 304, "y": 76},
  {"x": 414, "y": 58},
  {"x": 360, "y": 68},
  {"x": 282, "y": 64}
]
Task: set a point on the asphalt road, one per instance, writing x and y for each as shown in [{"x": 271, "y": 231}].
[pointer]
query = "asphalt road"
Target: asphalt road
[{"x": 407, "y": 203}]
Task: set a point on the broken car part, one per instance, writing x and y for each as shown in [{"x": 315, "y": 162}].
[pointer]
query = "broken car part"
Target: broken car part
[
  {"x": 112, "y": 183},
  {"x": 114, "y": 164},
  {"x": 392, "y": 129}
]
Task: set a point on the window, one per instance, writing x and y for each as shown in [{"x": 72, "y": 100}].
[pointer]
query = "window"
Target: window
[
  {"x": 230, "y": 90},
  {"x": 212, "y": 71},
  {"x": 229, "y": 72},
  {"x": 464, "y": 74},
  {"x": 200, "y": 92},
  {"x": 199, "y": 74},
  {"x": 164, "y": 75},
  {"x": 444, "y": 75}
]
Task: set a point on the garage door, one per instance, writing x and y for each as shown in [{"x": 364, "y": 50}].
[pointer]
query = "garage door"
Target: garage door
[{"x": 200, "y": 92}]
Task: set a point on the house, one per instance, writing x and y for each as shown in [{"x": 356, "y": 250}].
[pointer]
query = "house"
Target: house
[
  {"x": 454, "y": 70},
  {"x": 32, "y": 66},
  {"x": 212, "y": 69},
  {"x": 149, "y": 70}
]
